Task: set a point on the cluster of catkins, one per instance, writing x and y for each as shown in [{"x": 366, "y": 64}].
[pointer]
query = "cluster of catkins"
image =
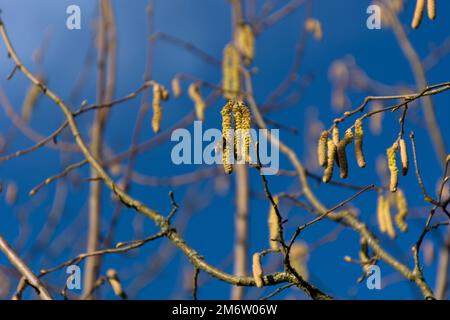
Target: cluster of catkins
[
  {"x": 385, "y": 203},
  {"x": 239, "y": 134},
  {"x": 419, "y": 10},
  {"x": 334, "y": 150}
]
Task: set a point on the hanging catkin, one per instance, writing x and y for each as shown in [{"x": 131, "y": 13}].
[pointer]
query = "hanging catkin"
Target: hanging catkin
[
  {"x": 257, "y": 270},
  {"x": 392, "y": 165},
  {"x": 402, "y": 211},
  {"x": 30, "y": 101},
  {"x": 298, "y": 257},
  {"x": 176, "y": 87},
  {"x": 238, "y": 136},
  {"x": 431, "y": 9},
  {"x": 227, "y": 135},
  {"x": 246, "y": 126},
  {"x": 331, "y": 153},
  {"x": 342, "y": 155},
  {"x": 199, "y": 103},
  {"x": 404, "y": 157},
  {"x": 418, "y": 13},
  {"x": 322, "y": 149},
  {"x": 388, "y": 219},
  {"x": 157, "y": 110},
  {"x": 274, "y": 225},
  {"x": 364, "y": 255},
  {"x": 245, "y": 41},
  {"x": 231, "y": 82},
  {"x": 380, "y": 213},
  {"x": 359, "y": 135}
]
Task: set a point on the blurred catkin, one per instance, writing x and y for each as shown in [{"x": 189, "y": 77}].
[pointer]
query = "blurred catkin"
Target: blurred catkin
[
  {"x": 274, "y": 225},
  {"x": 231, "y": 82},
  {"x": 245, "y": 41},
  {"x": 176, "y": 87},
  {"x": 257, "y": 270},
  {"x": 431, "y": 9},
  {"x": 315, "y": 28},
  {"x": 418, "y": 13},
  {"x": 298, "y": 257},
  {"x": 402, "y": 210},
  {"x": 199, "y": 103}
]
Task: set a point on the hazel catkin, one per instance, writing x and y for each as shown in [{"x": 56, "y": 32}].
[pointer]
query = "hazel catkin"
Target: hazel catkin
[
  {"x": 402, "y": 211},
  {"x": 231, "y": 82},
  {"x": 157, "y": 110},
  {"x": 176, "y": 87},
  {"x": 322, "y": 149},
  {"x": 403, "y": 157},
  {"x": 431, "y": 9},
  {"x": 392, "y": 165},
  {"x": 359, "y": 134},
  {"x": 257, "y": 270},
  {"x": 227, "y": 135},
  {"x": 274, "y": 225},
  {"x": 245, "y": 41},
  {"x": 331, "y": 153},
  {"x": 199, "y": 103},
  {"x": 342, "y": 155},
  {"x": 418, "y": 13}
]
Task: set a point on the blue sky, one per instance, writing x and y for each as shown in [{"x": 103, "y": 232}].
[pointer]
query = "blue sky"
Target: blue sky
[{"x": 206, "y": 24}]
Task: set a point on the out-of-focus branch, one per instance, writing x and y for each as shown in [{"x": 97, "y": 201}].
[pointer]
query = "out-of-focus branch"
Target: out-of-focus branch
[{"x": 24, "y": 270}]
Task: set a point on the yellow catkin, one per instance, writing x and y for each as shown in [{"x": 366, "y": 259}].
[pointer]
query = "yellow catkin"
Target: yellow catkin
[
  {"x": 403, "y": 157},
  {"x": 199, "y": 103},
  {"x": 402, "y": 211},
  {"x": 392, "y": 165},
  {"x": 331, "y": 153},
  {"x": 176, "y": 87},
  {"x": 335, "y": 136},
  {"x": 245, "y": 41},
  {"x": 298, "y": 257},
  {"x": 30, "y": 101},
  {"x": 388, "y": 219},
  {"x": 246, "y": 126},
  {"x": 313, "y": 26},
  {"x": 226, "y": 137},
  {"x": 342, "y": 155},
  {"x": 157, "y": 110},
  {"x": 431, "y": 9},
  {"x": 359, "y": 135},
  {"x": 238, "y": 137},
  {"x": 274, "y": 225},
  {"x": 322, "y": 149},
  {"x": 418, "y": 14},
  {"x": 231, "y": 82},
  {"x": 380, "y": 213},
  {"x": 114, "y": 281},
  {"x": 257, "y": 270}
]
